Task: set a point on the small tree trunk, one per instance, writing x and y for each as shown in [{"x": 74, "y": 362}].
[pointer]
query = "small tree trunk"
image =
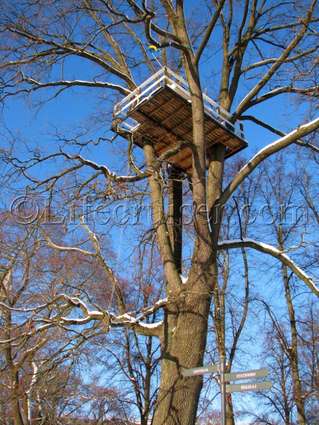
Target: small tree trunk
[
  {"x": 15, "y": 404},
  {"x": 301, "y": 417},
  {"x": 229, "y": 411},
  {"x": 293, "y": 355},
  {"x": 14, "y": 375}
]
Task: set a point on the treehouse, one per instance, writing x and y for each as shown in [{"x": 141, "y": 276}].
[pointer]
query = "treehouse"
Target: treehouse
[{"x": 159, "y": 110}]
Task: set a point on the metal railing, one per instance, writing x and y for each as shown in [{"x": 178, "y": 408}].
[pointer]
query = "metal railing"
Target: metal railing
[{"x": 166, "y": 77}]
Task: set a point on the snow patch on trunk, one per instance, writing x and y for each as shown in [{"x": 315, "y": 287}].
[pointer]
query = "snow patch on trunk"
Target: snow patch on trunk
[{"x": 184, "y": 279}]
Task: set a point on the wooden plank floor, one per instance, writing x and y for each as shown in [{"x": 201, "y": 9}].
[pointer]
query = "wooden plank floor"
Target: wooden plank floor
[{"x": 166, "y": 119}]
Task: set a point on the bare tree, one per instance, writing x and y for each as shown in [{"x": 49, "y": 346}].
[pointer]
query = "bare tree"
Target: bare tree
[{"x": 263, "y": 44}]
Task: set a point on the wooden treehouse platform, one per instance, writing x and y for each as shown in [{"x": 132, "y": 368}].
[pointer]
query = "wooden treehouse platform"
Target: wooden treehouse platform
[{"x": 160, "y": 110}]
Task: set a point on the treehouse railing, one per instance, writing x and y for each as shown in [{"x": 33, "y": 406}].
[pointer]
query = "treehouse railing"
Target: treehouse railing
[{"x": 166, "y": 77}]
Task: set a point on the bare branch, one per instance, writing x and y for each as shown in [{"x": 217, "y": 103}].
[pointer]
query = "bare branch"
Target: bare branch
[
  {"x": 73, "y": 48},
  {"x": 245, "y": 103},
  {"x": 53, "y": 245},
  {"x": 106, "y": 171},
  {"x": 270, "y": 61},
  {"x": 209, "y": 31}
]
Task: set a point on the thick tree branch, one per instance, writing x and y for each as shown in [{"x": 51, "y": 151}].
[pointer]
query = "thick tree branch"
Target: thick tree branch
[
  {"x": 310, "y": 91},
  {"x": 274, "y": 252},
  {"x": 270, "y": 61},
  {"x": 265, "y": 153},
  {"x": 278, "y": 132},
  {"x": 132, "y": 320},
  {"x": 106, "y": 171}
]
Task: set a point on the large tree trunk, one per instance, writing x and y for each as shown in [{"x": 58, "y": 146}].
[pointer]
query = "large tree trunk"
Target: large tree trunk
[
  {"x": 186, "y": 316},
  {"x": 183, "y": 346},
  {"x": 184, "y": 334}
]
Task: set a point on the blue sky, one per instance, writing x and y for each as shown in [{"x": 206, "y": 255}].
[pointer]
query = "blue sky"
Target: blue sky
[{"x": 78, "y": 108}]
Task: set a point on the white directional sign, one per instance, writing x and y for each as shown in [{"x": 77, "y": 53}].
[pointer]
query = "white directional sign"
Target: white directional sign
[
  {"x": 236, "y": 376},
  {"x": 196, "y": 371},
  {"x": 258, "y": 386},
  {"x": 229, "y": 377}
]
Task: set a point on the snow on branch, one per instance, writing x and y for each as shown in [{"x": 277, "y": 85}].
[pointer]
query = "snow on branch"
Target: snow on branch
[
  {"x": 64, "y": 303},
  {"x": 53, "y": 245},
  {"x": 129, "y": 319},
  {"x": 70, "y": 83},
  {"x": 265, "y": 153},
  {"x": 111, "y": 320},
  {"x": 269, "y": 61},
  {"x": 274, "y": 252}
]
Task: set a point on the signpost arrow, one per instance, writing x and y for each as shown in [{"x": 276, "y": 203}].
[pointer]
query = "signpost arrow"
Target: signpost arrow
[
  {"x": 258, "y": 386},
  {"x": 197, "y": 371},
  {"x": 236, "y": 376},
  {"x": 233, "y": 376}
]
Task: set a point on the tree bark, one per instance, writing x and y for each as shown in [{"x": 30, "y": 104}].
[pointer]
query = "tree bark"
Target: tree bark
[
  {"x": 183, "y": 346},
  {"x": 293, "y": 352},
  {"x": 14, "y": 374},
  {"x": 175, "y": 217},
  {"x": 229, "y": 411},
  {"x": 183, "y": 341}
]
